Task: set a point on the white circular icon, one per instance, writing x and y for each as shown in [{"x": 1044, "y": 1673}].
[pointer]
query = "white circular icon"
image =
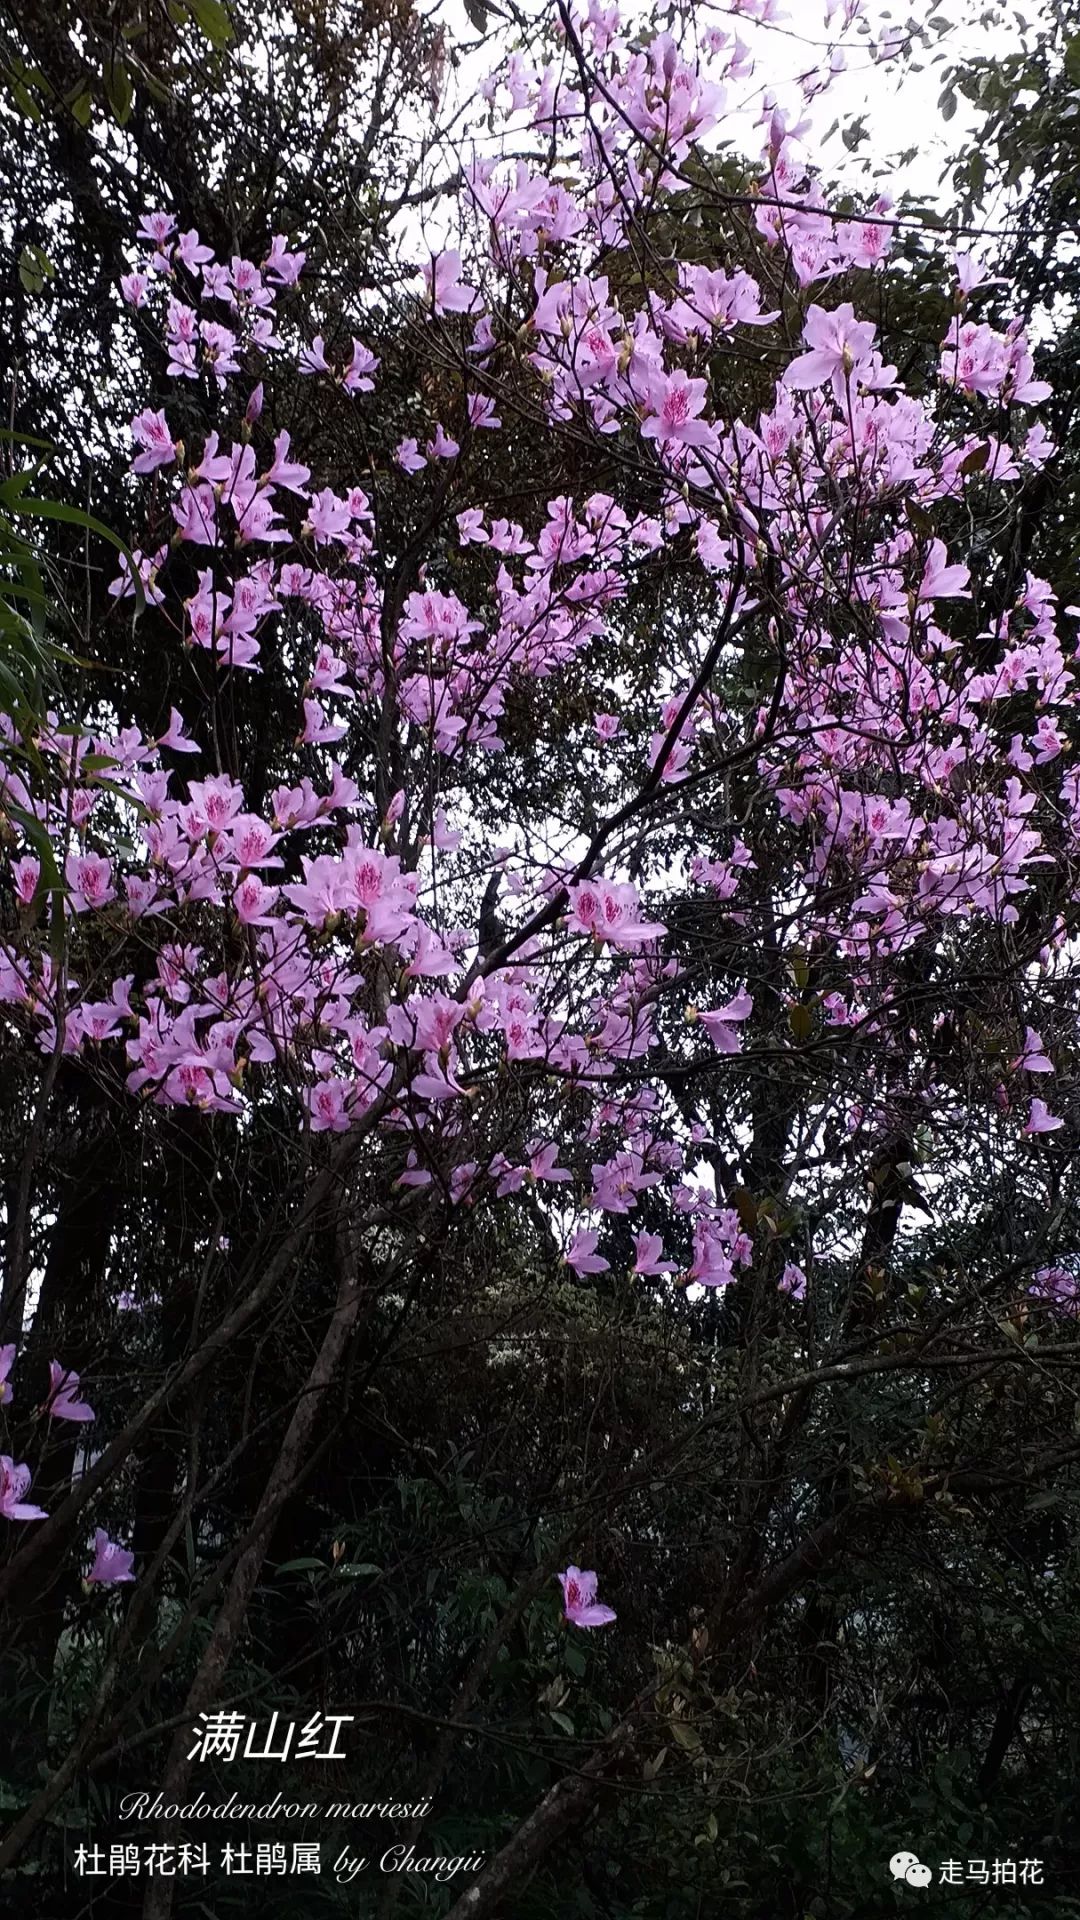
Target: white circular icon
[
  {"x": 901, "y": 1864},
  {"x": 917, "y": 1876}
]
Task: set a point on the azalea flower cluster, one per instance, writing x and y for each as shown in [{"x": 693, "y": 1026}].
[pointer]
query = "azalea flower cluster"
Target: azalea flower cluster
[
  {"x": 111, "y": 1562},
  {"x": 304, "y": 945}
]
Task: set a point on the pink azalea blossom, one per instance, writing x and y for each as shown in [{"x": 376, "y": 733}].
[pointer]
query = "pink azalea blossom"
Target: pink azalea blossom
[
  {"x": 675, "y": 401},
  {"x": 156, "y": 227},
  {"x": 648, "y": 1249},
  {"x": 580, "y": 1605},
  {"x": 441, "y": 446},
  {"x": 721, "y": 1022},
  {"x": 445, "y": 289},
  {"x": 1032, "y": 1059},
  {"x": 840, "y": 348},
  {"x": 175, "y": 737},
  {"x": 26, "y": 873},
  {"x": 62, "y": 1403},
  {"x": 1041, "y": 1120},
  {"x": 14, "y": 1482},
  {"x": 409, "y": 457},
  {"x": 1057, "y": 1287},
  {"x": 89, "y": 878},
  {"x": 150, "y": 432},
  {"x": 581, "y": 1254},
  {"x": 112, "y": 1563}
]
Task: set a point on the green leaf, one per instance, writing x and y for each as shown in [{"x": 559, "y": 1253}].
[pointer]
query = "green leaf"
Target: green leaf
[
  {"x": 575, "y": 1659},
  {"x": 302, "y": 1566},
  {"x": 562, "y": 1721},
  {"x": 687, "y": 1737},
  {"x": 35, "y": 268},
  {"x": 212, "y": 19},
  {"x": 801, "y": 1021},
  {"x": 118, "y": 90},
  {"x": 25, "y": 101}
]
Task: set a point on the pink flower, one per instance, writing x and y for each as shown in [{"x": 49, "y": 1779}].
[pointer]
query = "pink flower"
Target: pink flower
[
  {"x": 580, "y": 1605},
  {"x": 362, "y": 363},
  {"x": 146, "y": 567},
  {"x": 675, "y": 402},
  {"x": 328, "y": 517},
  {"x": 156, "y": 227},
  {"x": 543, "y": 1162},
  {"x": 972, "y": 273},
  {"x": 175, "y": 737},
  {"x": 190, "y": 250},
  {"x": 1057, "y": 1287},
  {"x": 326, "y": 1105},
  {"x": 1032, "y": 1059},
  {"x": 112, "y": 1563},
  {"x": 940, "y": 581},
  {"x": 252, "y": 901},
  {"x": 14, "y": 1481},
  {"x": 719, "y": 1024},
  {"x": 648, "y": 1248},
  {"x": 841, "y": 347},
  {"x": 482, "y": 411},
  {"x": 409, "y": 457},
  {"x": 7, "y": 1361},
  {"x": 442, "y": 447},
  {"x": 280, "y": 266},
  {"x": 610, "y": 912},
  {"x": 313, "y": 359},
  {"x": 150, "y": 431},
  {"x": 90, "y": 880},
  {"x": 283, "y": 472},
  {"x": 26, "y": 873},
  {"x": 62, "y": 1403},
  {"x": 581, "y": 1254},
  {"x": 793, "y": 1281},
  {"x": 1041, "y": 1120},
  {"x": 443, "y": 280}
]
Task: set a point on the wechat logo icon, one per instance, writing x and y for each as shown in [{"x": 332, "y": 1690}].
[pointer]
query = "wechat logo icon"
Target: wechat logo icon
[{"x": 907, "y": 1866}]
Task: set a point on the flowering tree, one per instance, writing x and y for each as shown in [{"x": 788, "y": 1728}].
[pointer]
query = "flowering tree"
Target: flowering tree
[{"x": 578, "y": 844}]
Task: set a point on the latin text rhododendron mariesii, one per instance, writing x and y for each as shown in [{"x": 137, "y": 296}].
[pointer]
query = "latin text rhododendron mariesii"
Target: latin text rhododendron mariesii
[{"x": 322, "y": 949}]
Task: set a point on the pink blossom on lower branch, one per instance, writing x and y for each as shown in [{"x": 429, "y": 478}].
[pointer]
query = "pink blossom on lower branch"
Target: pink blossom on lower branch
[
  {"x": 581, "y": 1254},
  {"x": 112, "y": 1562},
  {"x": 648, "y": 1255},
  {"x": 1041, "y": 1120},
  {"x": 62, "y": 1403},
  {"x": 580, "y": 1605},
  {"x": 14, "y": 1482},
  {"x": 793, "y": 1281}
]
